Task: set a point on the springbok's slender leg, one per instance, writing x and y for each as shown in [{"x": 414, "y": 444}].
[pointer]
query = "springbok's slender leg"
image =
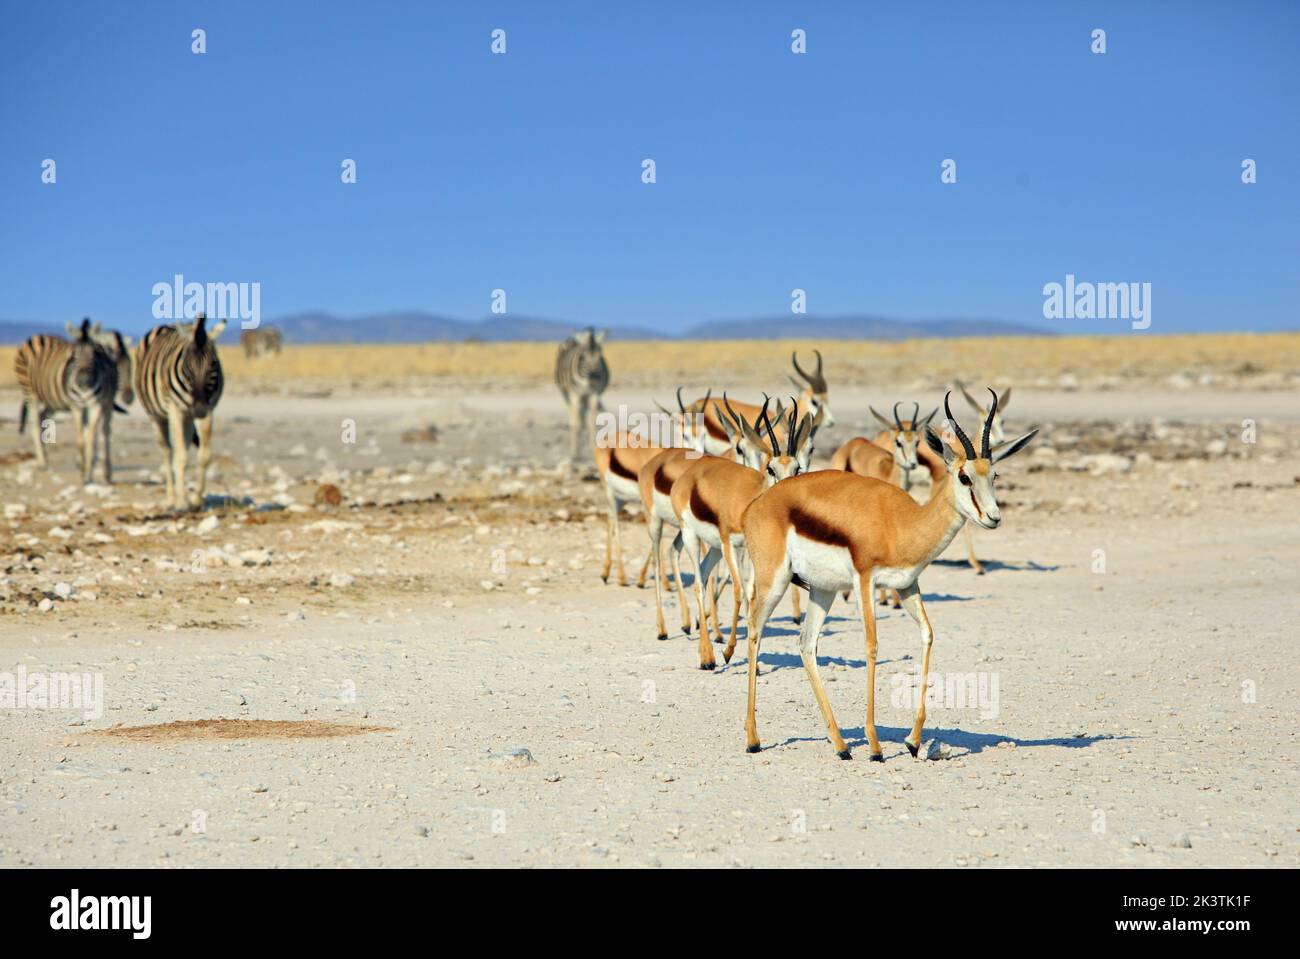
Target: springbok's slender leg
[
  {"x": 703, "y": 566},
  {"x": 819, "y": 604},
  {"x": 764, "y": 593},
  {"x": 970, "y": 550},
  {"x": 794, "y": 599},
  {"x": 675, "y": 551},
  {"x": 862, "y": 589},
  {"x": 730, "y": 556},
  {"x": 609, "y": 541},
  {"x": 916, "y": 609},
  {"x": 179, "y": 438},
  {"x": 656, "y": 526},
  {"x": 204, "y": 427},
  {"x": 645, "y": 566}
]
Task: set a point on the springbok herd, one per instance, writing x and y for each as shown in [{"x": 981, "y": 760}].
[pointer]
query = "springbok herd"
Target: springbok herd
[{"x": 740, "y": 488}]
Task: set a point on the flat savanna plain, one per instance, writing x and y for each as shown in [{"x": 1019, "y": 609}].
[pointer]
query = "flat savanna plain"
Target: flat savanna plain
[{"x": 287, "y": 683}]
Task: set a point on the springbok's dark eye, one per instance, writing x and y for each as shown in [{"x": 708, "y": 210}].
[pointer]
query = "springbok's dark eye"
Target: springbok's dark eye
[
  {"x": 770, "y": 471},
  {"x": 965, "y": 480}
]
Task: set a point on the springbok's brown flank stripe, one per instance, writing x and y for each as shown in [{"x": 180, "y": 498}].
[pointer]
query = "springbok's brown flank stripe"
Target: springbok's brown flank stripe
[
  {"x": 818, "y": 530},
  {"x": 662, "y": 483},
  {"x": 618, "y": 469},
  {"x": 702, "y": 510}
]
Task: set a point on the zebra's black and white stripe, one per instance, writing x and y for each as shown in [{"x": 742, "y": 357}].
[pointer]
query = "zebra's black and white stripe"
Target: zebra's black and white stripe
[
  {"x": 263, "y": 339},
  {"x": 82, "y": 377},
  {"x": 178, "y": 378},
  {"x": 582, "y": 375}
]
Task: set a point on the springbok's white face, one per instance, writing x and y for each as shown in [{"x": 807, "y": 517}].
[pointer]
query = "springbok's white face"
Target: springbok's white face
[
  {"x": 905, "y": 435},
  {"x": 972, "y": 473},
  {"x": 797, "y": 455}
]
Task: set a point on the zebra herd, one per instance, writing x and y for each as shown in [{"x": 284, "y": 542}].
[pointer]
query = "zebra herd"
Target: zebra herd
[{"x": 175, "y": 370}]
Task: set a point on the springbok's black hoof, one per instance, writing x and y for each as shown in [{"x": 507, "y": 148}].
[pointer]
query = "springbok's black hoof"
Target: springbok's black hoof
[
  {"x": 605, "y": 580},
  {"x": 686, "y": 631},
  {"x": 912, "y": 749},
  {"x": 878, "y": 758},
  {"x": 708, "y": 665},
  {"x": 844, "y": 754},
  {"x": 661, "y": 637},
  {"x": 753, "y": 749}
]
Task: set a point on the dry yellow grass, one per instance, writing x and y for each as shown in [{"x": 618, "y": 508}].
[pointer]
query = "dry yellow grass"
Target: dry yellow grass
[{"x": 655, "y": 363}]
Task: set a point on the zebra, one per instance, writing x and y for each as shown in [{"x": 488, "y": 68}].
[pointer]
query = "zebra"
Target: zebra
[
  {"x": 178, "y": 377},
  {"x": 582, "y": 375},
  {"x": 85, "y": 377},
  {"x": 263, "y": 339}
]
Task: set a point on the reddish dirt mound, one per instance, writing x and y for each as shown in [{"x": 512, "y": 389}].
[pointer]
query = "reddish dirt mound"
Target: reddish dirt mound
[{"x": 193, "y": 729}]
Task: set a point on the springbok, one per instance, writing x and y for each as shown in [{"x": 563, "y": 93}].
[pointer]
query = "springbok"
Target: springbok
[
  {"x": 997, "y": 436},
  {"x": 829, "y": 531},
  {"x": 711, "y": 496},
  {"x": 618, "y": 466},
  {"x": 812, "y": 399}
]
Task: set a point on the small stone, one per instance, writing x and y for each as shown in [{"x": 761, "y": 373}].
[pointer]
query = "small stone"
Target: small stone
[{"x": 1182, "y": 841}]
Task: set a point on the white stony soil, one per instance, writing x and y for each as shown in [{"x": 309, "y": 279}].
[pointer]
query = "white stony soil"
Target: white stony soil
[{"x": 1145, "y": 716}]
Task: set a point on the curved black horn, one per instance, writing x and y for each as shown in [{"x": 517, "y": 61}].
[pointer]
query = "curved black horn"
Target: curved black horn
[
  {"x": 897, "y": 421},
  {"x": 794, "y": 358},
  {"x": 988, "y": 425},
  {"x": 680, "y": 405},
  {"x": 818, "y": 354},
  {"x": 965, "y": 440},
  {"x": 792, "y": 428},
  {"x": 916, "y": 411},
  {"x": 766, "y": 421}
]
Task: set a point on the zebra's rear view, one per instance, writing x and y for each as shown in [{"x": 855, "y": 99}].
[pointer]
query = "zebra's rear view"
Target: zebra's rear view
[
  {"x": 81, "y": 377},
  {"x": 581, "y": 375},
  {"x": 179, "y": 380}
]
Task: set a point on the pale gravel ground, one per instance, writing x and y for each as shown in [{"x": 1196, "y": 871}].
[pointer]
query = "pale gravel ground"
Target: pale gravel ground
[{"x": 1122, "y": 692}]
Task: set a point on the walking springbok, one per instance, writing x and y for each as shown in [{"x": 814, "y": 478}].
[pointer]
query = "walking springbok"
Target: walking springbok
[
  {"x": 178, "y": 376},
  {"x": 829, "y": 531},
  {"x": 812, "y": 399},
  {"x": 582, "y": 375},
  {"x": 85, "y": 377},
  {"x": 997, "y": 436},
  {"x": 710, "y": 498},
  {"x": 618, "y": 466}
]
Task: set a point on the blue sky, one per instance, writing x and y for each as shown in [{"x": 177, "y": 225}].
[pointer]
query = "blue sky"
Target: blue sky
[{"x": 775, "y": 170}]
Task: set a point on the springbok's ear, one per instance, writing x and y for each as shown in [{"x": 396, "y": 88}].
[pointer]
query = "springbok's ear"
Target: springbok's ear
[
  {"x": 73, "y": 329},
  {"x": 1010, "y": 449},
  {"x": 926, "y": 422},
  {"x": 887, "y": 424},
  {"x": 600, "y": 337},
  {"x": 217, "y": 330},
  {"x": 938, "y": 446},
  {"x": 1004, "y": 399},
  {"x": 795, "y": 383},
  {"x": 970, "y": 399}
]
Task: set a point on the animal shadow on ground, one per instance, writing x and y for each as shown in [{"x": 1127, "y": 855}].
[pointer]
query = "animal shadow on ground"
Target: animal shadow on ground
[
  {"x": 964, "y": 743},
  {"x": 994, "y": 566}
]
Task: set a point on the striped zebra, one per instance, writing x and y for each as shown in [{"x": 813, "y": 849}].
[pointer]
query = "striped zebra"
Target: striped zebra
[
  {"x": 178, "y": 377},
  {"x": 263, "y": 339},
  {"x": 84, "y": 377},
  {"x": 582, "y": 375}
]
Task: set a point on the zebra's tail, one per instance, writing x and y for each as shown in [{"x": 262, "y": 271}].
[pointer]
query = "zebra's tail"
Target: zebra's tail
[
  {"x": 119, "y": 409},
  {"x": 22, "y": 418},
  {"x": 194, "y": 436}
]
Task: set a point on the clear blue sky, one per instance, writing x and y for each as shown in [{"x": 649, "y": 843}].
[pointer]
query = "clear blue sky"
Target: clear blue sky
[{"x": 775, "y": 171}]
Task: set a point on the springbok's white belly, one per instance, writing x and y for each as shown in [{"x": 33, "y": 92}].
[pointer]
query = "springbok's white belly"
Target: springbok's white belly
[
  {"x": 624, "y": 489},
  {"x": 706, "y": 532},
  {"x": 820, "y": 565},
  {"x": 663, "y": 507}
]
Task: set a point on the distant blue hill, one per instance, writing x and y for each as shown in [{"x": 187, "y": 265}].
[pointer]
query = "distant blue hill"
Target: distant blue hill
[{"x": 417, "y": 327}]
